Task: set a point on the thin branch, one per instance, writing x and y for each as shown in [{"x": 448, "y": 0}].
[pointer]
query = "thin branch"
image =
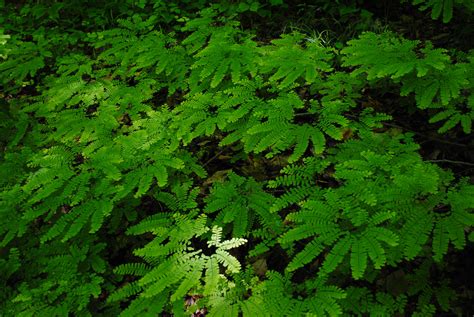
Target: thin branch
[
  {"x": 425, "y": 136},
  {"x": 214, "y": 157},
  {"x": 451, "y": 161},
  {"x": 302, "y": 114}
]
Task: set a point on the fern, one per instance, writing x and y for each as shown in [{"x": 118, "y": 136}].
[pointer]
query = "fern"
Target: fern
[
  {"x": 292, "y": 62},
  {"x": 31, "y": 55},
  {"x": 451, "y": 227},
  {"x": 223, "y": 56},
  {"x": 177, "y": 264},
  {"x": 361, "y": 301},
  {"x": 426, "y": 71},
  {"x": 327, "y": 214},
  {"x": 56, "y": 269},
  {"x": 323, "y": 300},
  {"x": 239, "y": 201},
  {"x": 371, "y": 51}
]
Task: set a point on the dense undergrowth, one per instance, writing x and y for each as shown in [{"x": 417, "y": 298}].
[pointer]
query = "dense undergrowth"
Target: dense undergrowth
[{"x": 249, "y": 158}]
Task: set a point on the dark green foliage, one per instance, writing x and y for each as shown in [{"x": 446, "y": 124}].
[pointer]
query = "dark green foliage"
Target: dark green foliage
[
  {"x": 427, "y": 72},
  {"x": 444, "y": 8},
  {"x": 385, "y": 198},
  {"x": 171, "y": 157}
]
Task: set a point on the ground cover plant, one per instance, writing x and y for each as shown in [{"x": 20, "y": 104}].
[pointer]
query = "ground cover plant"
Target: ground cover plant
[{"x": 236, "y": 158}]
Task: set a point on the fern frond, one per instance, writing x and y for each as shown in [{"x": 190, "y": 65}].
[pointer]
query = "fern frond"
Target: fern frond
[{"x": 292, "y": 62}]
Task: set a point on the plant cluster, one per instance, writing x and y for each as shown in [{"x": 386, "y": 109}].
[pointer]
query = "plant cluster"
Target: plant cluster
[{"x": 164, "y": 158}]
